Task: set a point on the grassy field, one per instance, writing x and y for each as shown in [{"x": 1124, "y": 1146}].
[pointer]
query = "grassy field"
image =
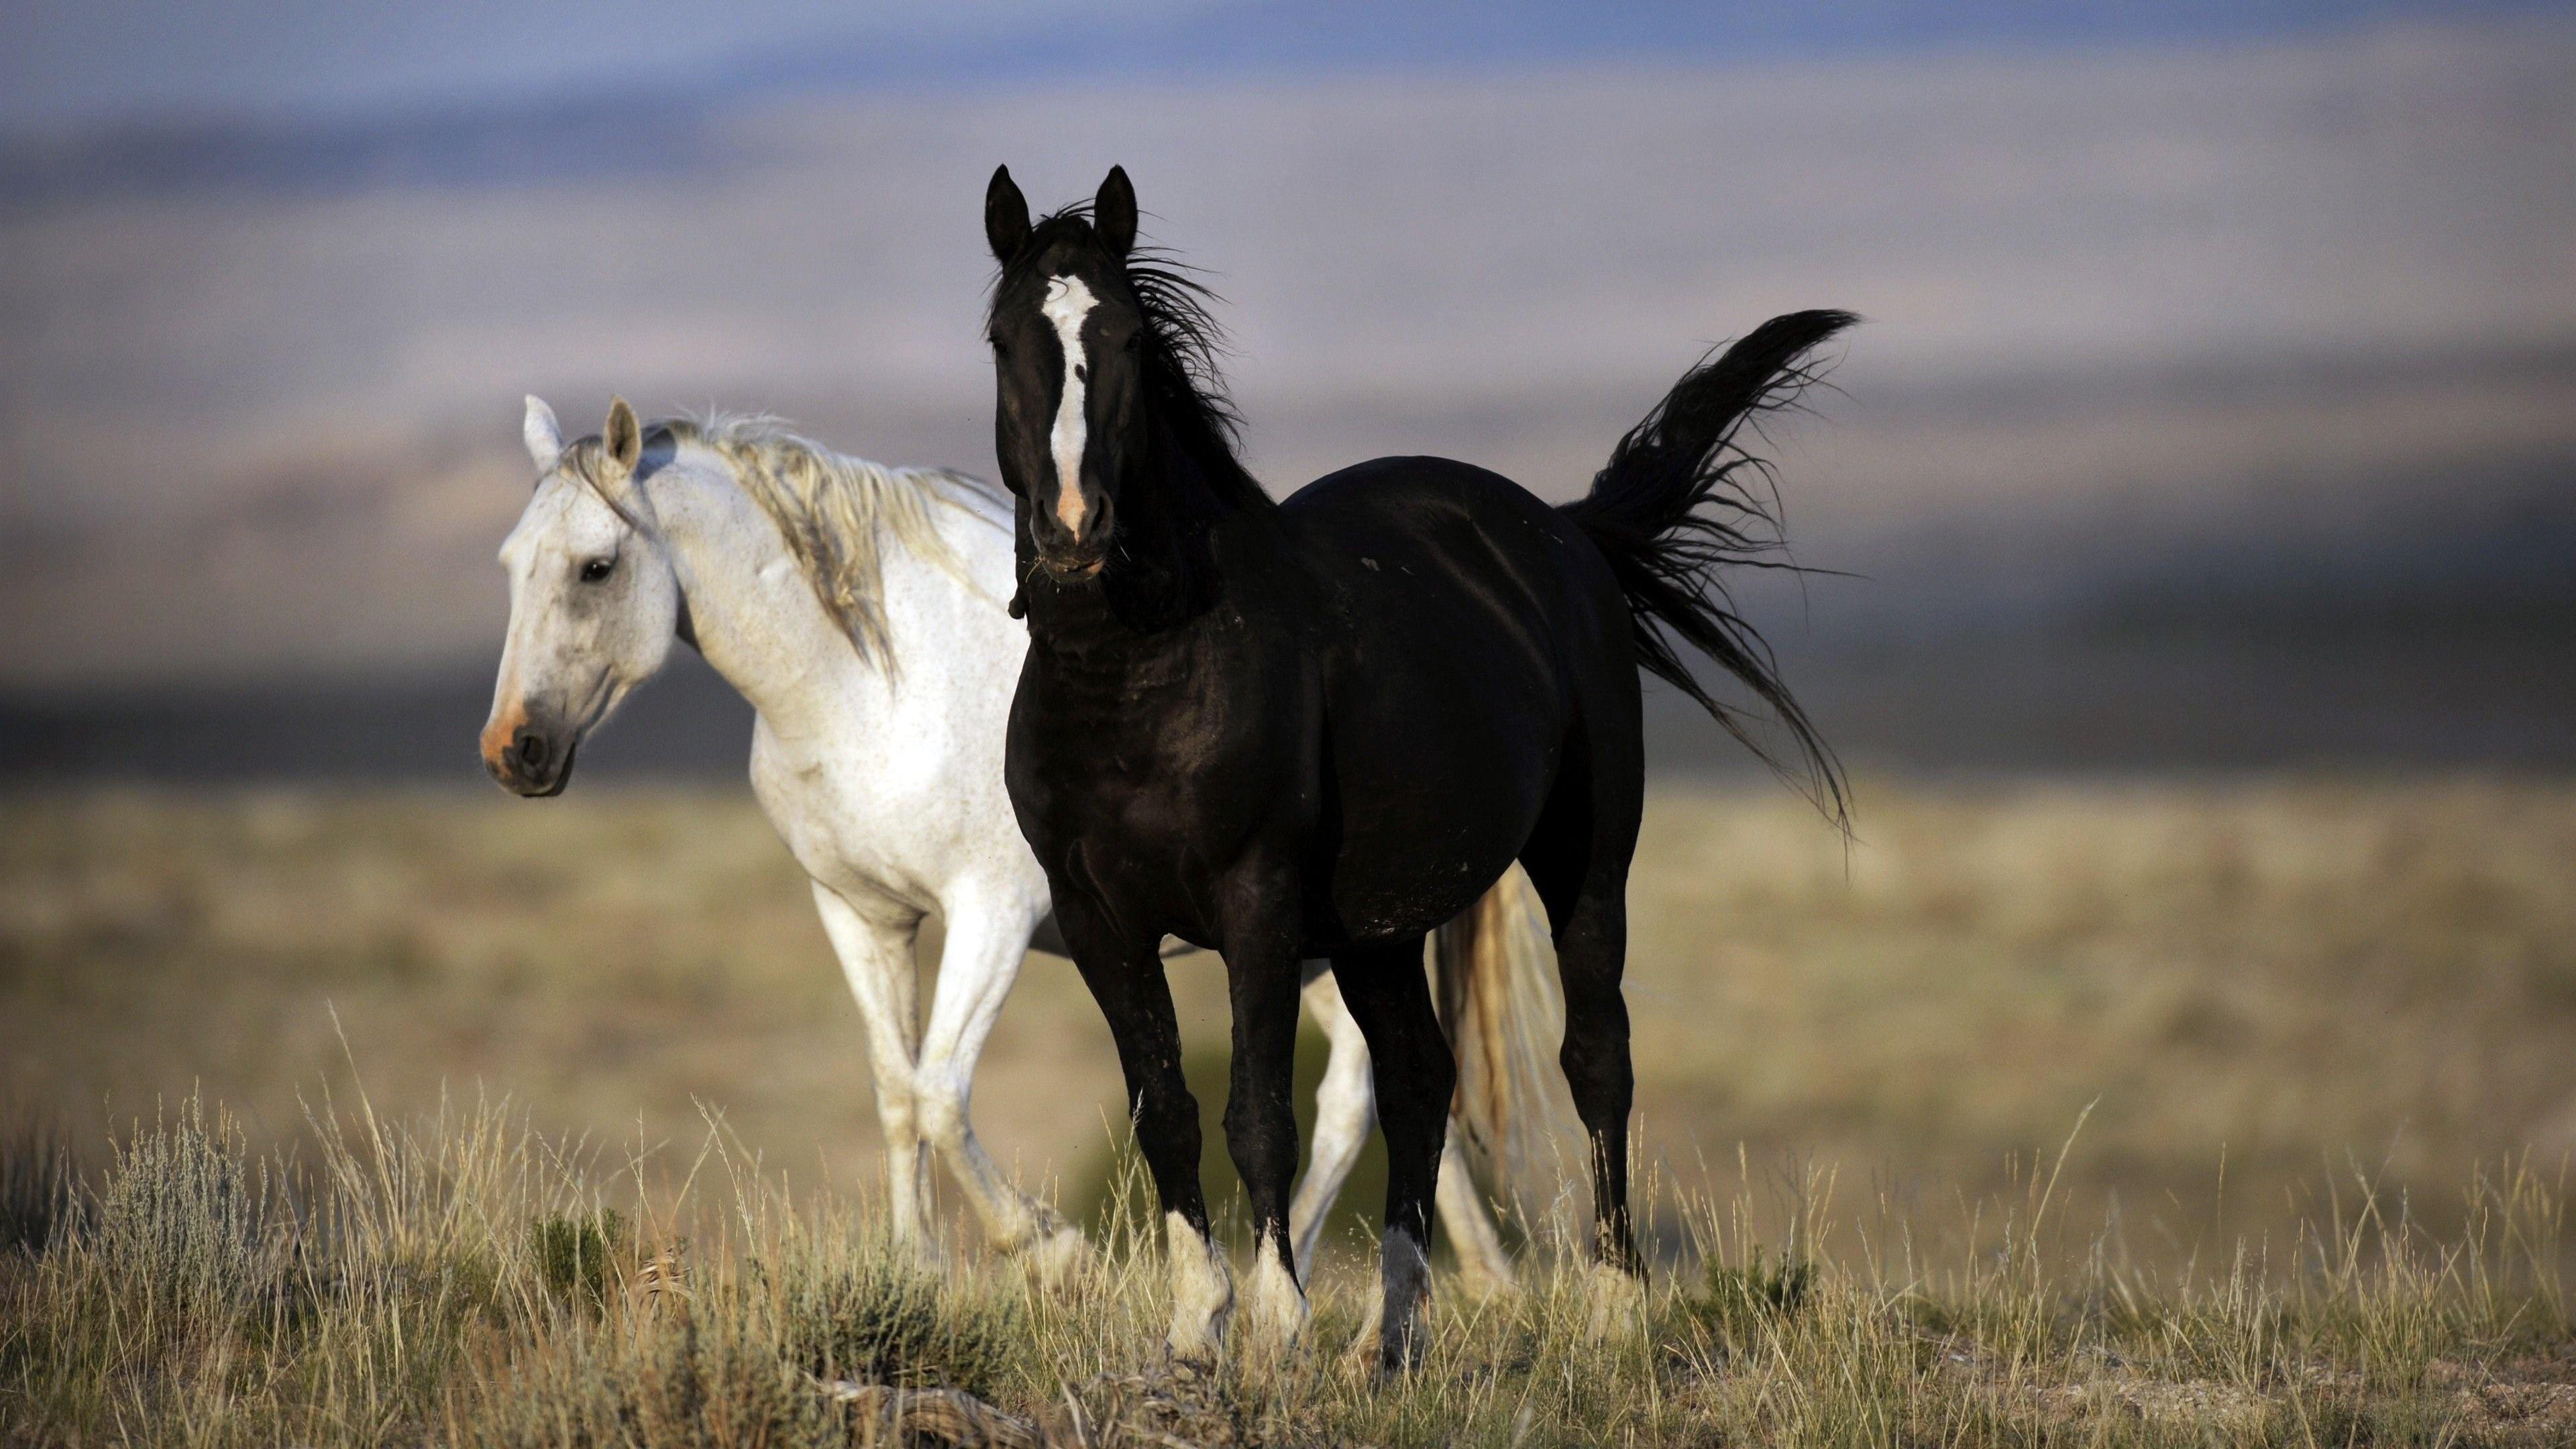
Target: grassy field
[
  {"x": 460, "y": 1280},
  {"x": 2047, "y": 1113}
]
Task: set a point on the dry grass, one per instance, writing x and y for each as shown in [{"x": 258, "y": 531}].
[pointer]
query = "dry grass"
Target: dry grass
[
  {"x": 461, "y": 1279},
  {"x": 2320, "y": 1029},
  {"x": 2259, "y": 985},
  {"x": 2285, "y": 978}
]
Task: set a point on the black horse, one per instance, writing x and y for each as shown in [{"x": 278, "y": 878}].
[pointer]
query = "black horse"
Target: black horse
[{"x": 1326, "y": 726}]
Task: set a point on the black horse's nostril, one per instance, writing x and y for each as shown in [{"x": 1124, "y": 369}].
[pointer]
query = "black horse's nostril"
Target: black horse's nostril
[{"x": 531, "y": 748}]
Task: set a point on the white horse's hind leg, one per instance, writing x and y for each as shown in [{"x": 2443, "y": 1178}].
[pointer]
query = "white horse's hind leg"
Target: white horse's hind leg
[
  {"x": 877, "y": 959},
  {"x": 1345, "y": 1107},
  {"x": 982, "y": 959}
]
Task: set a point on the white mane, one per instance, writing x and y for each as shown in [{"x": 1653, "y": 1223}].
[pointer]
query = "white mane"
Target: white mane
[{"x": 832, "y": 508}]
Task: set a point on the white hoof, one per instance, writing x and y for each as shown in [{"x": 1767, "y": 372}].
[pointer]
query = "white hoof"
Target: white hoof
[
  {"x": 1278, "y": 1310},
  {"x": 918, "y": 1249},
  {"x": 1059, "y": 1255},
  {"x": 1617, "y": 1301},
  {"x": 1479, "y": 1283},
  {"x": 1202, "y": 1293}
]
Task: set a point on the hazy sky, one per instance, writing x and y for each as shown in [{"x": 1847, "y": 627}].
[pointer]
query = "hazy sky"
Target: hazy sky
[
  {"x": 264, "y": 415},
  {"x": 75, "y": 62},
  {"x": 2156, "y": 292}
]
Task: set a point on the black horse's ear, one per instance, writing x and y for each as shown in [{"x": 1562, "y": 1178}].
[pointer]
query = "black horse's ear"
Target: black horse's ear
[
  {"x": 1113, "y": 213},
  {"x": 1006, "y": 216}
]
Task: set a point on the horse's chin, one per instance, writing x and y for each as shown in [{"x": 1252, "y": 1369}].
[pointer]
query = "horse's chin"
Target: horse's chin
[
  {"x": 552, "y": 786},
  {"x": 563, "y": 777},
  {"x": 1075, "y": 568}
]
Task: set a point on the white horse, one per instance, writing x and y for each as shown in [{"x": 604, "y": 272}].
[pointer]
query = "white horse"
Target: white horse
[{"x": 859, "y": 609}]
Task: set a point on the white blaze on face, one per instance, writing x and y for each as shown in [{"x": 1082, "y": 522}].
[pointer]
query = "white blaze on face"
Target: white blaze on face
[{"x": 1068, "y": 301}]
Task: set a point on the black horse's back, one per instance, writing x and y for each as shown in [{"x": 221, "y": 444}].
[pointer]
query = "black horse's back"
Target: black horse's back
[
  {"x": 1469, "y": 631},
  {"x": 1450, "y": 538},
  {"x": 1644, "y": 549}
]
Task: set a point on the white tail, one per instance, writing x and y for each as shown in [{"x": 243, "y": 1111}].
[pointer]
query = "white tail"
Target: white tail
[{"x": 1499, "y": 1002}]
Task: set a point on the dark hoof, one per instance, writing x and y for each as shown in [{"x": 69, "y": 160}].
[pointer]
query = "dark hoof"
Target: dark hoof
[{"x": 1187, "y": 1368}]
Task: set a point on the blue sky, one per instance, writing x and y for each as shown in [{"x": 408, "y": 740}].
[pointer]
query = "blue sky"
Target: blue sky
[{"x": 77, "y": 63}]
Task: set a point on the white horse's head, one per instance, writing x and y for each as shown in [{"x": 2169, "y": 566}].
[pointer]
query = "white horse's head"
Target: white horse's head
[{"x": 594, "y": 600}]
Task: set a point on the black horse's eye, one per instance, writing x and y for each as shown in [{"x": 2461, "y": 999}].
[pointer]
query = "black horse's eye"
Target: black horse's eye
[{"x": 597, "y": 569}]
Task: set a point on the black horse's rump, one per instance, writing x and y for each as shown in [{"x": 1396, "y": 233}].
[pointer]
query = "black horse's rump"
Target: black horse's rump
[{"x": 1326, "y": 726}]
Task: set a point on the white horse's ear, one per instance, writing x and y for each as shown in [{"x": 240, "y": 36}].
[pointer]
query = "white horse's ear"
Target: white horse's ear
[
  {"x": 623, "y": 437},
  {"x": 543, "y": 434}
]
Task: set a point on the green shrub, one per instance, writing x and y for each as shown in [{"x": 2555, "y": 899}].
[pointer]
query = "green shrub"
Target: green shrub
[
  {"x": 677, "y": 1383},
  {"x": 573, "y": 1256},
  {"x": 186, "y": 1222},
  {"x": 39, "y": 1191},
  {"x": 1738, "y": 1302},
  {"x": 881, "y": 1320}
]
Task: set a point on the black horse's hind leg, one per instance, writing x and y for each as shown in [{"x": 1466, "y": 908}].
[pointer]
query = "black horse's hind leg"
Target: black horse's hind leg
[
  {"x": 1126, "y": 978},
  {"x": 1591, "y": 951},
  {"x": 1384, "y": 986},
  {"x": 1578, "y": 859}
]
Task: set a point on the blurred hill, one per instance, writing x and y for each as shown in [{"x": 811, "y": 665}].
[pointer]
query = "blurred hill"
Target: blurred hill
[{"x": 2218, "y": 404}]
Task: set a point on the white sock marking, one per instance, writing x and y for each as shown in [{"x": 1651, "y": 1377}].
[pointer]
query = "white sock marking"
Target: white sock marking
[
  {"x": 1202, "y": 1291},
  {"x": 1068, "y": 301},
  {"x": 1278, "y": 1305}
]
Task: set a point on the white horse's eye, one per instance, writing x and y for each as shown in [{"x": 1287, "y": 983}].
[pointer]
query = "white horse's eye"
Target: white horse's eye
[{"x": 597, "y": 569}]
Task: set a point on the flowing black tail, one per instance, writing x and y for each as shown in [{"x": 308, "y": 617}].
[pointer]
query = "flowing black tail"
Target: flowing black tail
[{"x": 1674, "y": 507}]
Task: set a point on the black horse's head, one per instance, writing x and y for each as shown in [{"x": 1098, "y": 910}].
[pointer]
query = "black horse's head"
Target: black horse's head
[{"x": 1069, "y": 335}]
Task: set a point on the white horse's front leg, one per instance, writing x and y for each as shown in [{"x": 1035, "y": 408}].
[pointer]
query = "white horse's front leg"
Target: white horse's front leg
[
  {"x": 877, "y": 958},
  {"x": 1345, "y": 1108},
  {"x": 976, "y": 970}
]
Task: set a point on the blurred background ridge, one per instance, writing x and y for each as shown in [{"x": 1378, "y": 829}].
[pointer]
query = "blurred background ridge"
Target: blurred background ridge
[{"x": 2217, "y": 407}]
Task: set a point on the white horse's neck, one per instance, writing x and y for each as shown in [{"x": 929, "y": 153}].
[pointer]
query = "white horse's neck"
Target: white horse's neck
[{"x": 757, "y": 620}]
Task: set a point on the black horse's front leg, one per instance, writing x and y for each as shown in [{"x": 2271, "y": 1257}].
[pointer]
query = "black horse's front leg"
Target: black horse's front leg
[
  {"x": 1383, "y": 985},
  {"x": 1264, "y": 972},
  {"x": 1126, "y": 978}
]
